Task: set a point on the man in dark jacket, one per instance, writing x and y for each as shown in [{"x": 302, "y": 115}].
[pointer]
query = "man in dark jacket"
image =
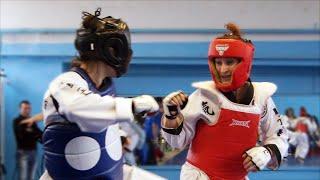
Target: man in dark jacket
[{"x": 26, "y": 138}]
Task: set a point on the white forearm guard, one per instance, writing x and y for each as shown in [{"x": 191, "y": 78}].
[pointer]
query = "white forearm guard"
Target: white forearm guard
[{"x": 260, "y": 156}]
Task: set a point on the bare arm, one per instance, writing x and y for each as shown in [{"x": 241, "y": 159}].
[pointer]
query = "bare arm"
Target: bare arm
[{"x": 36, "y": 118}]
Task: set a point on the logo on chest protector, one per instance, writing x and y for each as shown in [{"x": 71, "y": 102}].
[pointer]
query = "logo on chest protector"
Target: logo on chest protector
[
  {"x": 240, "y": 123},
  {"x": 205, "y": 108}
]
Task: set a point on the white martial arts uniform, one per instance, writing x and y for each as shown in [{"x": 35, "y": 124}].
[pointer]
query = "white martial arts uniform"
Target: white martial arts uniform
[
  {"x": 82, "y": 135},
  {"x": 78, "y": 104},
  {"x": 299, "y": 138},
  {"x": 82, "y": 139},
  {"x": 203, "y": 111}
]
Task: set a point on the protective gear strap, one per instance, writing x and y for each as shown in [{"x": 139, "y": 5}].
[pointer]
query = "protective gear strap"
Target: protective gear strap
[
  {"x": 176, "y": 131},
  {"x": 171, "y": 111},
  {"x": 260, "y": 156},
  {"x": 275, "y": 151}
]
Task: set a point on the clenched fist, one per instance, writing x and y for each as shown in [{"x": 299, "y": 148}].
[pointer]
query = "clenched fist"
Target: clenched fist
[
  {"x": 144, "y": 104},
  {"x": 172, "y": 105}
]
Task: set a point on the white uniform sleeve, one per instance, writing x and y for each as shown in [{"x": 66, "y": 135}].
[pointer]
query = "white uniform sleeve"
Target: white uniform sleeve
[
  {"x": 274, "y": 134},
  {"x": 186, "y": 130},
  {"x": 90, "y": 111},
  {"x": 312, "y": 127}
]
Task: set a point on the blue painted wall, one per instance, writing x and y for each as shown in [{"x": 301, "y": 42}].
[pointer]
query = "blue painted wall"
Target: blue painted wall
[{"x": 159, "y": 68}]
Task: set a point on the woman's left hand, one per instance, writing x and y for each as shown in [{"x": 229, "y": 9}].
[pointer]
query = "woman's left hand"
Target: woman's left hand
[{"x": 248, "y": 164}]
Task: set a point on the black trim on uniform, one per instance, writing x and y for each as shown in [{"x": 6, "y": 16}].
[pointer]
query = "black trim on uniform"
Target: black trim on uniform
[
  {"x": 176, "y": 131},
  {"x": 56, "y": 105},
  {"x": 170, "y": 117},
  {"x": 256, "y": 166},
  {"x": 274, "y": 148}
]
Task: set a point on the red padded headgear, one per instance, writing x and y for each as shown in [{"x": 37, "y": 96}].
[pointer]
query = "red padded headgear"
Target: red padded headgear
[{"x": 231, "y": 48}]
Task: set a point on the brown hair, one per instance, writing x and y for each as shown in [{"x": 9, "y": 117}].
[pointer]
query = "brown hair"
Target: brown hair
[
  {"x": 92, "y": 23},
  {"x": 234, "y": 33},
  {"x": 76, "y": 62}
]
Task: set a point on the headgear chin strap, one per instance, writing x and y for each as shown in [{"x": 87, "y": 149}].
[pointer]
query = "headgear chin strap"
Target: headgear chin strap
[
  {"x": 231, "y": 48},
  {"x": 106, "y": 39}
]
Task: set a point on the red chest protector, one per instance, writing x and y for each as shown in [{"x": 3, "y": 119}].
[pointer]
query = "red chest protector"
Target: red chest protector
[
  {"x": 217, "y": 150},
  {"x": 302, "y": 127}
]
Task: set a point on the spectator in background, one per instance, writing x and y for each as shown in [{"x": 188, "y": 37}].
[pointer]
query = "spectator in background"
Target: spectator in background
[
  {"x": 302, "y": 131},
  {"x": 34, "y": 119},
  {"x": 314, "y": 120},
  {"x": 299, "y": 143},
  {"x": 151, "y": 152},
  {"x": 156, "y": 129},
  {"x": 26, "y": 138},
  {"x": 303, "y": 123},
  {"x": 309, "y": 124},
  {"x": 147, "y": 156},
  {"x": 289, "y": 113},
  {"x": 156, "y": 119},
  {"x": 303, "y": 112},
  {"x": 134, "y": 139},
  {"x": 317, "y": 133}
]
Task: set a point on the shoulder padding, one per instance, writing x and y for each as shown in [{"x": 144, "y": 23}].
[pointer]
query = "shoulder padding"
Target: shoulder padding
[
  {"x": 205, "y": 85},
  {"x": 262, "y": 91},
  {"x": 209, "y": 101},
  {"x": 207, "y": 88}
]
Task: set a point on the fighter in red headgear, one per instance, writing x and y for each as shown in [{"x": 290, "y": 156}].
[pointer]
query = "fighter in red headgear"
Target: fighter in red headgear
[
  {"x": 224, "y": 47},
  {"x": 222, "y": 118}
]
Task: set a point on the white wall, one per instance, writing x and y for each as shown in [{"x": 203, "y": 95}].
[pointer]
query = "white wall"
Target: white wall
[
  {"x": 155, "y": 14},
  {"x": 277, "y": 14}
]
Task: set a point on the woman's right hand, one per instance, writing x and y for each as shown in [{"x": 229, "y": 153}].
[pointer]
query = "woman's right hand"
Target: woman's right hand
[{"x": 172, "y": 106}]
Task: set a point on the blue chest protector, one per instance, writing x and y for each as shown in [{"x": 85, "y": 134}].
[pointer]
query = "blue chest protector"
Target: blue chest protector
[{"x": 73, "y": 154}]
